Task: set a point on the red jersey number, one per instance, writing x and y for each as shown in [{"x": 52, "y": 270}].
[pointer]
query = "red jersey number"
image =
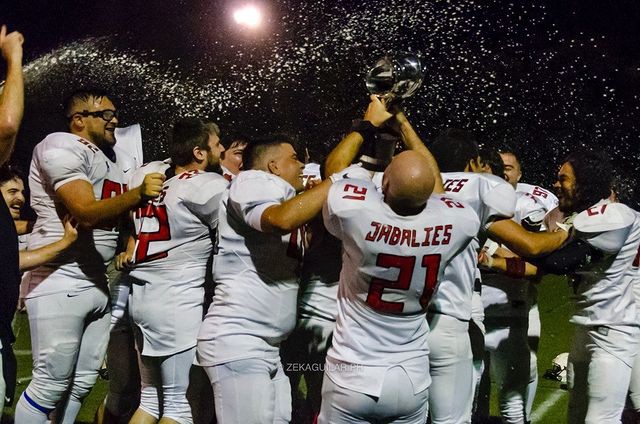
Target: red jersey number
[
  {"x": 112, "y": 189},
  {"x": 406, "y": 265},
  {"x": 359, "y": 193},
  {"x": 159, "y": 212}
]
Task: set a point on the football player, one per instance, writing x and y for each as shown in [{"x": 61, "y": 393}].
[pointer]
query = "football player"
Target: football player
[
  {"x": 457, "y": 298},
  {"x": 599, "y": 260},
  {"x": 392, "y": 262},
  {"x": 169, "y": 259},
  {"x": 255, "y": 269},
  {"x": 82, "y": 172},
  {"x": 512, "y": 320}
]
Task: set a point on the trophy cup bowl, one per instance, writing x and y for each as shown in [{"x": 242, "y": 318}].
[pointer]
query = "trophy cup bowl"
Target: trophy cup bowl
[{"x": 395, "y": 76}]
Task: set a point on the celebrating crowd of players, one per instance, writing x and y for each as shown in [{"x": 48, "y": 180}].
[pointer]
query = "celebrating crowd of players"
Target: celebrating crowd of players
[{"x": 397, "y": 286}]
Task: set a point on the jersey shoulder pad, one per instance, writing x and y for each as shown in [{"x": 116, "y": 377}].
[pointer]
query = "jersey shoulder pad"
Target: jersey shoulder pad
[
  {"x": 351, "y": 194},
  {"x": 253, "y": 187},
  {"x": 148, "y": 168},
  {"x": 498, "y": 195},
  {"x": 353, "y": 171},
  {"x": 603, "y": 217}
]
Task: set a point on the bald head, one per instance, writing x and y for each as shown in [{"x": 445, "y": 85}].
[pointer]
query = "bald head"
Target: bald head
[{"x": 407, "y": 183}]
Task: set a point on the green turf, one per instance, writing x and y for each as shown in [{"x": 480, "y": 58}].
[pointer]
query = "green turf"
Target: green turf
[{"x": 555, "y": 310}]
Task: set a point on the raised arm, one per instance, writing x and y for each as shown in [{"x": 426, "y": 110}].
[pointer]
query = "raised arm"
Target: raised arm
[
  {"x": 346, "y": 151},
  {"x": 413, "y": 142},
  {"x": 12, "y": 96},
  {"x": 80, "y": 201}
]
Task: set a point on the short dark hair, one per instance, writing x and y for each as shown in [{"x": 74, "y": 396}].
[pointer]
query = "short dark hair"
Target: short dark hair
[
  {"x": 594, "y": 176},
  {"x": 81, "y": 95},
  {"x": 10, "y": 172},
  {"x": 234, "y": 138},
  {"x": 492, "y": 158},
  {"x": 259, "y": 146},
  {"x": 187, "y": 133},
  {"x": 453, "y": 148}
]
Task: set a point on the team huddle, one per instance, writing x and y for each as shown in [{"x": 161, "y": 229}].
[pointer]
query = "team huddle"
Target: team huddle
[{"x": 395, "y": 286}]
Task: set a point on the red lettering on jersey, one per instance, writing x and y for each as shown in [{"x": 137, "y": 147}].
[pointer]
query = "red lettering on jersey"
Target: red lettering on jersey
[
  {"x": 537, "y": 191},
  {"x": 395, "y": 236},
  {"x": 358, "y": 192},
  {"x": 447, "y": 234},
  {"x": 384, "y": 233},
  {"x": 432, "y": 265},
  {"x": 452, "y": 203},
  {"x": 112, "y": 189},
  {"x": 408, "y": 238},
  {"x": 188, "y": 174},
  {"x": 455, "y": 185},
  {"x": 597, "y": 210},
  {"x": 427, "y": 236},
  {"x": 90, "y": 145},
  {"x": 406, "y": 265},
  {"x": 636, "y": 261},
  {"x": 163, "y": 233},
  {"x": 435, "y": 236},
  {"x": 371, "y": 236}
]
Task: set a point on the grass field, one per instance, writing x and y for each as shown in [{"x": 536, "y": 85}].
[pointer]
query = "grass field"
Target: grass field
[{"x": 549, "y": 407}]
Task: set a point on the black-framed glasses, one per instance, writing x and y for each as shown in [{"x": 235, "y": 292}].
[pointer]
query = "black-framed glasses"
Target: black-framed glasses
[{"x": 107, "y": 114}]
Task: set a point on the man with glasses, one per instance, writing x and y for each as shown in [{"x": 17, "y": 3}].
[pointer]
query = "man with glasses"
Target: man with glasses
[{"x": 83, "y": 173}]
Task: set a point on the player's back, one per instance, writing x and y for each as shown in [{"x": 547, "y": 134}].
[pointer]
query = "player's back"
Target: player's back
[
  {"x": 255, "y": 274},
  {"x": 173, "y": 231},
  {"x": 391, "y": 266},
  {"x": 490, "y": 198},
  {"x": 546, "y": 198},
  {"x": 604, "y": 292}
]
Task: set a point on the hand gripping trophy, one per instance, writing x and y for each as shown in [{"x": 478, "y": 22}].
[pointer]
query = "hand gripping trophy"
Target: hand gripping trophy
[{"x": 392, "y": 78}]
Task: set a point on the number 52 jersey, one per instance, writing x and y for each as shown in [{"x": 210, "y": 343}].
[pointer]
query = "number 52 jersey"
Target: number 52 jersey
[{"x": 391, "y": 266}]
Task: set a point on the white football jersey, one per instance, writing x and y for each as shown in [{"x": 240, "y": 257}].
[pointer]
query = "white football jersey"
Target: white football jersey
[
  {"x": 173, "y": 243},
  {"x": 489, "y": 197},
  {"x": 546, "y": 198},
  {"x": 61, "y": 158},
  {"x": 603, "y": 289},
  {"x": 391, "y": 266},
  {"x": 635, "y": 278},
  {"x": 505, "y": 295},
  {"x": 256, "y": 275}
]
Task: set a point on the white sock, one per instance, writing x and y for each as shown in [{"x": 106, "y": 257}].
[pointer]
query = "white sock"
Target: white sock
[
  {"x": 26, "y": 413},
  {"x": 71, "y": 411}
]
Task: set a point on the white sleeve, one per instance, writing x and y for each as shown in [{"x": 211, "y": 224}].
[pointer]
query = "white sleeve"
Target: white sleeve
[
  {"x": 65, "y": 164},
  {"x": 605, "y": 226},
  {"x": 499, "y": 202},
  {"x": 251, "y": 197},
  {"x": 353, "y": 171},
  {"x": 331, "y": 220},
  {"x": 204, "y": 200},
  {"x": 608, "y": 241},
  {"x": 346, "y": 198}
]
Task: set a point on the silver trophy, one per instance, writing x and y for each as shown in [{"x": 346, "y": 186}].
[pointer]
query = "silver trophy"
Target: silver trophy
[{"x": 395, "y": 76}]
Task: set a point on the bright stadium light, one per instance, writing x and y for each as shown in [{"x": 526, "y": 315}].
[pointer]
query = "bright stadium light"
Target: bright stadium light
[{"x": 249, "y": 16}]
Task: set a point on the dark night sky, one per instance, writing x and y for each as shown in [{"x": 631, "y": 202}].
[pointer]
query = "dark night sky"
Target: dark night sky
[{"x": 542, "y": 76}]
